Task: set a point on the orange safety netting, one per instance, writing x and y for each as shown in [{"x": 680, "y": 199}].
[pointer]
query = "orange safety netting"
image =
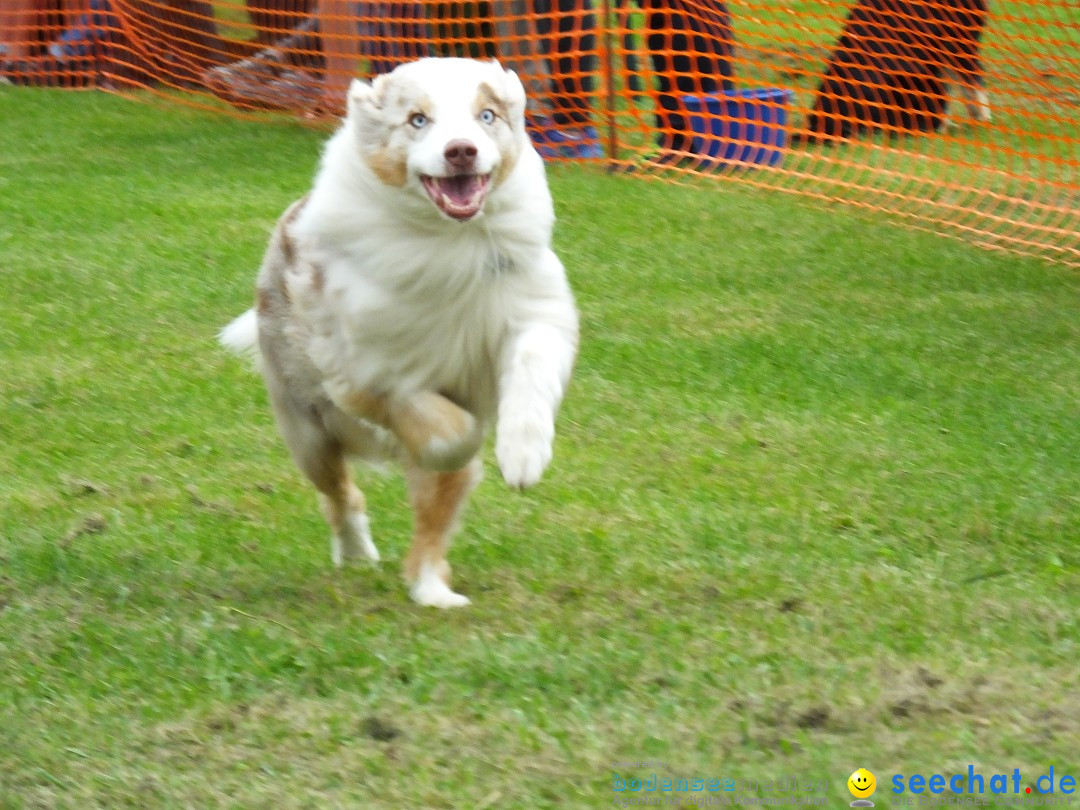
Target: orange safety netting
[{"x": 961, "y": 116}]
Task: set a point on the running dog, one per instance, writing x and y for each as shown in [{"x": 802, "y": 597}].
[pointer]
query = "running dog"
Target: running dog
[{"x": 412, "y": 300}]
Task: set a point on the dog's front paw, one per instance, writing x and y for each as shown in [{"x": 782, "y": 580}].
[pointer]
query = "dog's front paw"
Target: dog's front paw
[
  {"x": 431, "y": 589},
  {"x": 437, "y": 594},
  {"x": 523, "y": 450}
]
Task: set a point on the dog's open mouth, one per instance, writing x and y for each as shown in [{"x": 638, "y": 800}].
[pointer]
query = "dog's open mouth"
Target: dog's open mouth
[{"x": 460, "y": 196}]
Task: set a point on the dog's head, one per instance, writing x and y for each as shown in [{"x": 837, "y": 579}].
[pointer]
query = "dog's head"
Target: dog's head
[{"x": 448, "y": 130}]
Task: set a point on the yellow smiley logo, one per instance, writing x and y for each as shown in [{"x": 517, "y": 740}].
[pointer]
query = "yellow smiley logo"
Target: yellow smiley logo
[{"x": 862, "y": 784}]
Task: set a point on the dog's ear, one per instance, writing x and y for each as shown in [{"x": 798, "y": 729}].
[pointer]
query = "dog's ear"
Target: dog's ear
[
  {"x": 367, "y": 97},
  {"x": 514, "y": 93},
  {"x": 360, "y": 96}
]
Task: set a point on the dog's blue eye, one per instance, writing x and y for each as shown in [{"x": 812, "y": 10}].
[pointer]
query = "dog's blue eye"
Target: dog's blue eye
[
  {"x": 487, "y": 116},
  {"x": 418, "y": 120}
]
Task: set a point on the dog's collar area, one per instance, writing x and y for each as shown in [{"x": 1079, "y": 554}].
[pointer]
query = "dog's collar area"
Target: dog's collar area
[
  {"x": 459, "y": 196},
  {"x": 503, "y": 264}
]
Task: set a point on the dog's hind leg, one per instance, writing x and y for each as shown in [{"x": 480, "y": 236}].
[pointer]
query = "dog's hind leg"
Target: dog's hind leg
[
  {"x": 343, "y": 507},
  {"x": 437, "y": 499},
  {"x": 322, "y": 459},
  {"x": 436, "y": 433},
  {"x": 977, "y": 100}
]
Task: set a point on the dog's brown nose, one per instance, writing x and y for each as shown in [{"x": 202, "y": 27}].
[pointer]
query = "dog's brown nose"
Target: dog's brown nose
[{"x": 461, "y": 154}]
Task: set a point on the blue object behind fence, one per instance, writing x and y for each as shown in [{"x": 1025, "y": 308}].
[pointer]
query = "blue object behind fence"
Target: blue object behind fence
[{"x": 743, "y": 126}]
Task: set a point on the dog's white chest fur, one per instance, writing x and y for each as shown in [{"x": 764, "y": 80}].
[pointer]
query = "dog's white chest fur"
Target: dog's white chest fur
[{"x": 434, "y": 319}]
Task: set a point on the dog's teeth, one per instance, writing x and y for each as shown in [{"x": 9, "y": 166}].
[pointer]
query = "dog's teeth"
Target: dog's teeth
[{"x": 447, "y": 201}]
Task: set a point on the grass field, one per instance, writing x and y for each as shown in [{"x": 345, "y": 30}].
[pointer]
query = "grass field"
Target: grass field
[{"x": 815, "y": 505}]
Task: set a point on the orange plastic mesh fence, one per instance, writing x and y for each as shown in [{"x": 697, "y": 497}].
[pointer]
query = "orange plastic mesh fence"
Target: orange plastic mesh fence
[{"x": 960, "y": 116}]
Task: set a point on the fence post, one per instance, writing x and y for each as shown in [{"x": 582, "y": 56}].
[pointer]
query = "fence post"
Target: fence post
[{"x": 609, "y": 84}]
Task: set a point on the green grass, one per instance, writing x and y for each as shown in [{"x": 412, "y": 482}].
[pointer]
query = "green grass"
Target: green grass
[{"x": 814, "y": 505}]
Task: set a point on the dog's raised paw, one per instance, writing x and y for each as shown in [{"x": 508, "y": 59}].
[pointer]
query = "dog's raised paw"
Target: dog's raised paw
[{"x": 523, "y": 452}]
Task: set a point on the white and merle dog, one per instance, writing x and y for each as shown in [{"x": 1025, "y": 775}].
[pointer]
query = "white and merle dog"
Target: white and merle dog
[{"x": 411, "y": 300}]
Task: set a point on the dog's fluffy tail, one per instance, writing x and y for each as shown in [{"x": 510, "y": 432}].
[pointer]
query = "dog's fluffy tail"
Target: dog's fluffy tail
[{"x": 242, "y": 335}]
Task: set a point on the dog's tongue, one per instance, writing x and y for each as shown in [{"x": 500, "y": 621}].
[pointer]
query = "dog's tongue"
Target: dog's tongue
[{"x": 459, "y": 196}]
